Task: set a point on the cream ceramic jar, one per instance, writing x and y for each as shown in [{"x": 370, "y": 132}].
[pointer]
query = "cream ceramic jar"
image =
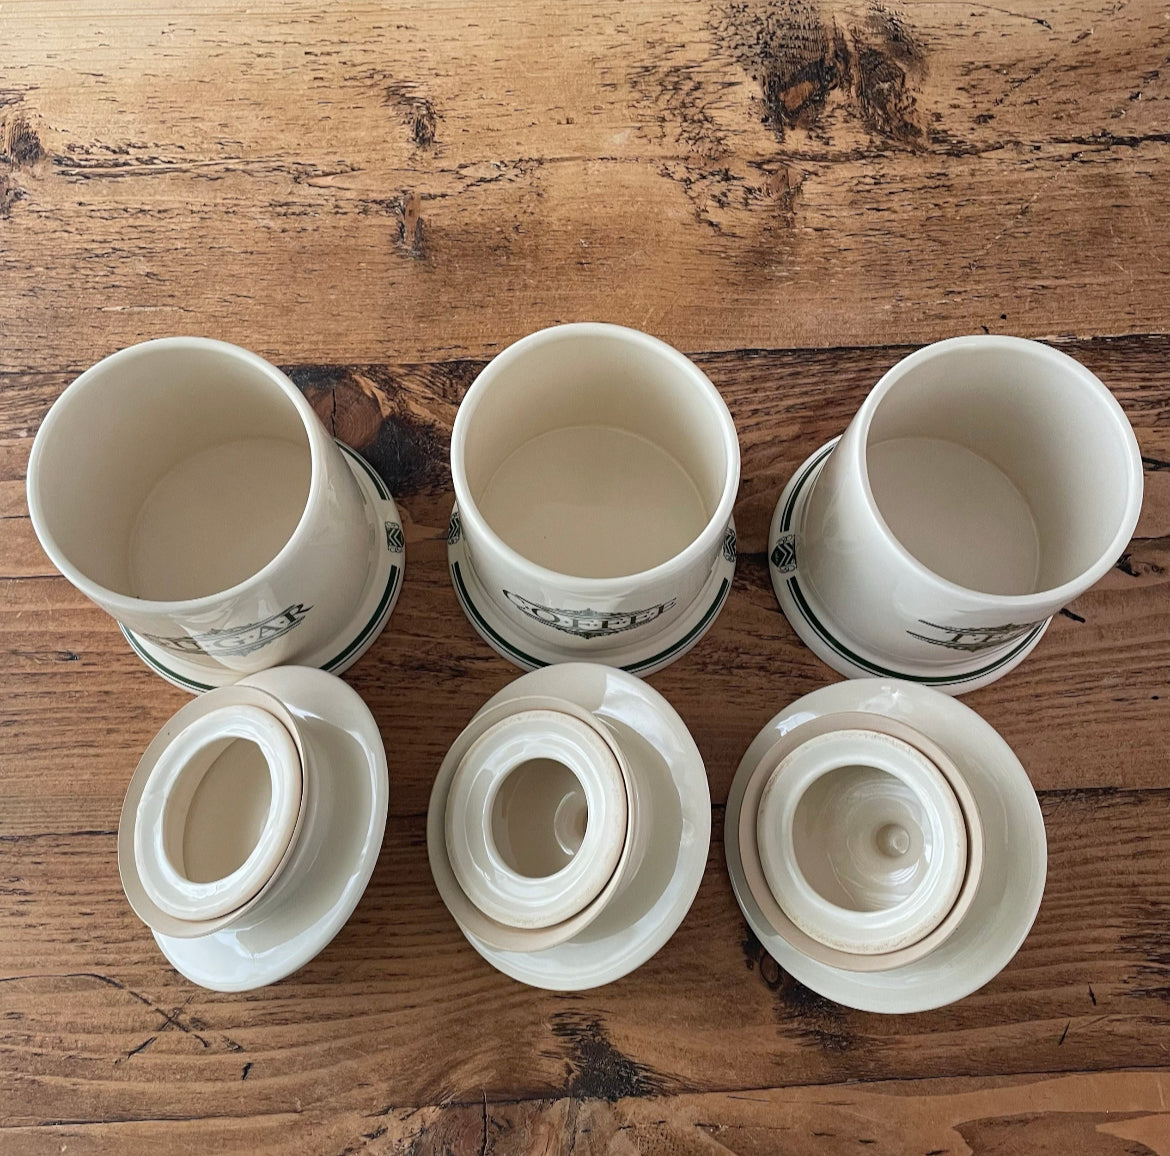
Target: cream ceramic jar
[
  {"x": 984, "y": 483},
  {"x": 595, "y": 469},
  {"x": 189, "y": 489}
]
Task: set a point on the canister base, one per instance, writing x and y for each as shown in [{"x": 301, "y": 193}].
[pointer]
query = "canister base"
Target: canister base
[
  {"x": 525, "y": 649},
  {"x": 672, "y": 786},
  {"x": 833, "y": 646},
  {"x": 370, "y": 616},
  {"x": 1011, "y": 883}
]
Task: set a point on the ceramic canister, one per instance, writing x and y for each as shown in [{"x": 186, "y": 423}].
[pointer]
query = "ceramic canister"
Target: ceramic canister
[
  {"x": 594, "y": 470},
  {"x": 252, "y": 824},
  {"x": 983, "y": 484},
  {"x": 189, "y": 489}
]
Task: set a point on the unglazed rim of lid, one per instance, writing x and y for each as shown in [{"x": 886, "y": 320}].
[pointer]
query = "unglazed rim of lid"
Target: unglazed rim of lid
[
  {"x": 141, "y": 903},
  {"x": 499, "y": 936},
  {"x": 880, "y": 923},
  {"x": 492, "y": 884},
  {"x": 757, "y": 885}
]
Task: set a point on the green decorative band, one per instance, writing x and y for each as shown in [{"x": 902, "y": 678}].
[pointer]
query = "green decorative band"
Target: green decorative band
[
  {"x": 525, "y": 659},
  {"x": 835, "y": 644},
  {"x": 382, "y": 609},
  {"x": 806, "y": 473},
  {"x": 370, "y": 628},
  {"x": 165, "y": 671},
  {"x": 690, "y": 636},
  {"x": 374, "y": 623},
  {"x": 484, "y": 627},
  {"x": 874, "y": 668},
  {"x": 370, "y": 472}
]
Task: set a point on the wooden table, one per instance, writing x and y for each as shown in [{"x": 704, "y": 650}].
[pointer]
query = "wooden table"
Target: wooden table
[{"x": 380, "y": 197}]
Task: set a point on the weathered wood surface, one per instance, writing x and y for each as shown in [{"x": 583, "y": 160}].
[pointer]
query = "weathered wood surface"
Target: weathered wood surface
[
  {"x": 377, "y": 198},
  {"x": 1115, "y": 1114},
  {"x": 400, "y": 1026},
  {"x": 1089, "y": 709},
  {"x": 400, "y": 1011},
  {"x": 369, "y": 183}
]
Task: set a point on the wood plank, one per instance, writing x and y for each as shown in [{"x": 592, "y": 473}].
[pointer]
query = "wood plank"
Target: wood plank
[
  {"x": 1120, "y": 1113},
  {"x": 382, "y": 198},
  {"x": 340, "y": 183},
  {"x": 79, "y": 707},
  {"x": 1107, "y": 1112},
  {"x": 400, "y": 1011}
]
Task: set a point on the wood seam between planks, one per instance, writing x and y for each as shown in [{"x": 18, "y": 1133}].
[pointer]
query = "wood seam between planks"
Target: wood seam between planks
[
  {"x": 510, "y": 1101},
  {"x": 748, "y": 351}
]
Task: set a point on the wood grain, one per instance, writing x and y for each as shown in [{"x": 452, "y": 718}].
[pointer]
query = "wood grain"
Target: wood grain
[
  {"x": 378, "y": 198},
  {"x": 349, "y": 183},
  {"x": 400, "y": 1011},
  {"x": 1099, "y": 678},
  {"x": 1119, "y": 1113}
]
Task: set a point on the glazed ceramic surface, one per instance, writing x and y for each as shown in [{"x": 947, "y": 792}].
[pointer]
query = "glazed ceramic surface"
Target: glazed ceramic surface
[
  {"x": 1010, "y": 884},
  {"x": 474, "y": 923},
  {"x": 188, "y": 488},
  {"x": 332, "y": 858},
  {"x": 536, "y": 818},
  {"x": 752, "y": 866},
  {"x": 209, "y": 819},
  {"x": 217, "y": 812},
  {"x": 595, "y": 470},
  {"x": 984, "y": 484},
  {"x": 674, "y": 807},
  {"x": 862, "y": 841}
]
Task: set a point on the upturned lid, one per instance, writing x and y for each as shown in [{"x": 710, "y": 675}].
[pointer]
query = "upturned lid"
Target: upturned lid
[
  {"x": 862, "y": 841},
  {"x": 536, "y": 818},
  {"x": 212, "y": 811}
]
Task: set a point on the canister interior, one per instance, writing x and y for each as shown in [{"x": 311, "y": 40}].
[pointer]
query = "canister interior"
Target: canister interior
[
  {"x": 999, "y": 469},
  {"x": 174, "y": 473},
  {"x": 596, "y": 457}
]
